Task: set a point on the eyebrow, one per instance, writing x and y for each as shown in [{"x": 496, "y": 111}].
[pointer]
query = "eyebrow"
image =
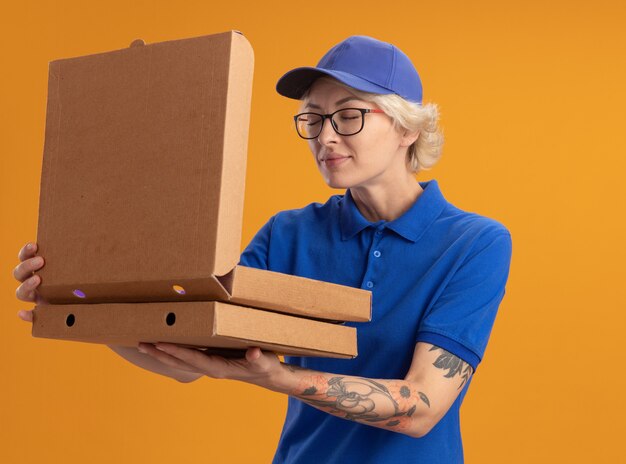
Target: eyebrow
[{"x": 338, "y": 102}]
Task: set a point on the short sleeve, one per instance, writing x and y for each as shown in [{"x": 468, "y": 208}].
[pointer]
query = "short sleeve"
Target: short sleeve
[
  {"x": 461, "y": 319},
  {"x": 257, "y": 252}
]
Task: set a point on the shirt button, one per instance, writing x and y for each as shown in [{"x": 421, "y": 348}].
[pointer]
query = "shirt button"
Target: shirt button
[
  {"x": 369, "y": 284},
  {"x": 379, "y": 232},
  {"x": 377, "y": 254}
]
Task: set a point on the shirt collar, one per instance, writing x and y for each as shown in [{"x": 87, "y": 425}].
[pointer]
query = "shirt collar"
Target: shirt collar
[{"x": 411, "y": 225}]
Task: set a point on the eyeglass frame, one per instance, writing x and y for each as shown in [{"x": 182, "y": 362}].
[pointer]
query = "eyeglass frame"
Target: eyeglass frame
[{"x": 329, "y": 116}]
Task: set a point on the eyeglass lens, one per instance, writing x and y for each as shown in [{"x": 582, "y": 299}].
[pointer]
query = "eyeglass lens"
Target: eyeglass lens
[{"x": 345, "y": 122}]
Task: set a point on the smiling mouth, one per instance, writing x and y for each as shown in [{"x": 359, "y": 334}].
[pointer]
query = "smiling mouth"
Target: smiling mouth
[
  {"x": 334, "y": 161},
  {"x": 332, "y": 156}
]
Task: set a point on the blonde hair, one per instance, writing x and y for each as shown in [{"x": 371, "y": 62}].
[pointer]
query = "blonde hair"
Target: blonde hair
[{"x": 424, "y": 153}]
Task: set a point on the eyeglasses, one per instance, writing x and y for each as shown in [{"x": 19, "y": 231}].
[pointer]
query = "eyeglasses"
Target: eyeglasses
[{"x": 346, "y": 121}]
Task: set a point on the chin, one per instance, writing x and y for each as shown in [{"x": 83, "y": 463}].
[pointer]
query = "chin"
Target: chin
[{"x": 339, "y": 183}]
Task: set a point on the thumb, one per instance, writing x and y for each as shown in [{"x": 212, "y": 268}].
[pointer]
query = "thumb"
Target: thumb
[
  {"x": 260, "y": 361},
  {"x": 253, "y": 355}
]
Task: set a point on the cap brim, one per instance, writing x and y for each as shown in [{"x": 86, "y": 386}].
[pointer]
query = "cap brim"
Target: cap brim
[{"x": 296, "y": 82}]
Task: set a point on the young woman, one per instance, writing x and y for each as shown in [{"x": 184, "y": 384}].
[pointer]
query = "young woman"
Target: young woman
[{"x": 437, "y": 273}]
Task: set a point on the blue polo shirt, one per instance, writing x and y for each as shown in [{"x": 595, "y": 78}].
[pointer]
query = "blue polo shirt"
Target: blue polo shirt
[{"x": 437, "y": 274}]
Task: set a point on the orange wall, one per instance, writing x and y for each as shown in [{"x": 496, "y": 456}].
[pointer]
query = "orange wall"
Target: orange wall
[{"x": 533, "y": 102}]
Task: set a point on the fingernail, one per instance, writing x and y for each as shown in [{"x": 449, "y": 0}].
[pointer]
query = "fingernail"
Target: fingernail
[
  {"x": 141, "y": 349},
  {"x": 30, "y": 246}
]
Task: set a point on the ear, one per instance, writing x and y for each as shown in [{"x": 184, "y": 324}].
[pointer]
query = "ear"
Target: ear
[{"x": 409, "y": 138}]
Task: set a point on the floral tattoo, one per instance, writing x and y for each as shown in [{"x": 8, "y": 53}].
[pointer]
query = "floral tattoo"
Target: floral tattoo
[
  {"x": 362, "y": 399},
  {"x": 454, "y": 365}
]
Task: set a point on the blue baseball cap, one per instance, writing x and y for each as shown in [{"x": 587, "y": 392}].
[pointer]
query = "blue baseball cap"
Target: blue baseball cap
[{"x": 360, "y": 62}]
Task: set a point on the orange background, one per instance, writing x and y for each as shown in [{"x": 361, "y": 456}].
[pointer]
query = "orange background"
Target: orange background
[{"x": 532, "y": 100}]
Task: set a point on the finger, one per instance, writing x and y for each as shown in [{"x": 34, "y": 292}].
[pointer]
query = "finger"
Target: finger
[
  {"x": 27, "y": 251},
  {"x": 253, "y": 354},
  {"x": 213, "y": 366},
  {"x": 151, "y": 350},
  {"x": 258, "y": 360},
  {"x": 26, "y": 268},
  {"x": 25, "y": 315},
  {"x": 27, "y": 290}
]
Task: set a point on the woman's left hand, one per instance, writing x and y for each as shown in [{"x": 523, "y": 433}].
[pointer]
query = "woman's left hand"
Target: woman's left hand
[{"x": 257, "y": 367}]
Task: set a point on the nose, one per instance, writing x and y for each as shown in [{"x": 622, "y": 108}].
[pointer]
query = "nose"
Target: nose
[{"x": 328, "y": 134}]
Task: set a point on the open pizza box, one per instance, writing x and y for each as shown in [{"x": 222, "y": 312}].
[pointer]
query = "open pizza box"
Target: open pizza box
[{"x": 141, "y": 209}]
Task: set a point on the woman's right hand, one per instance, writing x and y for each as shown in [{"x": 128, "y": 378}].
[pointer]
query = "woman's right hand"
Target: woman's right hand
[
  {"x": 23, "y": 272},
  {"x": 27, "y": 291}
]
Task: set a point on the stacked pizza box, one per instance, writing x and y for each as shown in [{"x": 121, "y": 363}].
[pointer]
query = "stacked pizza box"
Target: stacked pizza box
[{"x": 141, "y": 209}]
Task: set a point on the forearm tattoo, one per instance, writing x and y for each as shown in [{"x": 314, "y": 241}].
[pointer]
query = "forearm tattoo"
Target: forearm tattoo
[
  {"x": 384, "y": 403},
  {"x": 454, "y": 365},
  {"x": 391, "y": 404}
]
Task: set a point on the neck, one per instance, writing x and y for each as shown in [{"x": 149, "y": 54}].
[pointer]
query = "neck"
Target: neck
[{"x": 378, "y": 202}]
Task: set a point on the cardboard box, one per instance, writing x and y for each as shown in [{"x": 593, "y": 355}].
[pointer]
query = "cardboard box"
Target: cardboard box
[
  {"x": 143, "y": 178},
  {"x": 141, "y": 204},
  {"x": 195, "y": 324}
]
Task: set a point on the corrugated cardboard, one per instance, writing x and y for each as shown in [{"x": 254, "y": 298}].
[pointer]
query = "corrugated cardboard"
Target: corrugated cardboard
[
  {"x": 141, "y": 209},
  {"x": 143, "y": 183},
  {"x": 296, "y": 295},
  {"x": 200, "y": 324}
]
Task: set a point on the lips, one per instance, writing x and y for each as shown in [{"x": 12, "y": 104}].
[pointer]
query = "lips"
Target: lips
[
  {"x": 332, "y": 156},
  {"x": 333, "y": 160}
]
